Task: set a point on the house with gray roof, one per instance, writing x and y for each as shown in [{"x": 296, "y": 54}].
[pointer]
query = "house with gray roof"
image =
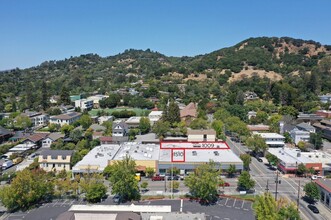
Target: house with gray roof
[
  {"x": 55, "y": 160},
  {"x": 51, "y": 138},
  {"x": 4, "y": 134},
  {"x": 306, "y": 127}
]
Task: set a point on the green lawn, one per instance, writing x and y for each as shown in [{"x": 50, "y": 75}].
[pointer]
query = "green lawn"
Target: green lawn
[{"x": 138, "y": 111}]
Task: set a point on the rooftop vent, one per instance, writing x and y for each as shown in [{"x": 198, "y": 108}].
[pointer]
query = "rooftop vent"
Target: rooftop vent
[
  {"x": 216, "y": 153},
  {"x": 194, "y": 153}
]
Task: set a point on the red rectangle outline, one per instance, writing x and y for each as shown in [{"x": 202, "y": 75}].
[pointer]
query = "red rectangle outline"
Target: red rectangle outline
[
  {"x": 188, "y": 148},
  {"x": 172, "y": 155}
]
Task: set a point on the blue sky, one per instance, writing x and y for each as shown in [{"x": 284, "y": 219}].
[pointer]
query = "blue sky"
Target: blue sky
[{"x": 35, "y": 31}]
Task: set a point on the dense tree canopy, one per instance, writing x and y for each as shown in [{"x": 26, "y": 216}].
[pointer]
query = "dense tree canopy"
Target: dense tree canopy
[
  {"x": 204, "y": 182},
  {"x": 122, "y": 179}
]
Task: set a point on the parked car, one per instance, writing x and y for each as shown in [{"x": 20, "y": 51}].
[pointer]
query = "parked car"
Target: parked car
[
  {"x": 315, "y": 177},
  {"x": 117, "y": 199},
  {"x": 158, "y": 178},
  {"x": 314, "y": 209},
  {"x": 173, "y": 178},
  {"x": 259, "y": 159},
  {"x": 225, "y": 184}
]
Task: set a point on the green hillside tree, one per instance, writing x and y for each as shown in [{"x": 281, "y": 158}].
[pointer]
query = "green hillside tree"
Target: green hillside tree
[{"x": 65, "y": 96}]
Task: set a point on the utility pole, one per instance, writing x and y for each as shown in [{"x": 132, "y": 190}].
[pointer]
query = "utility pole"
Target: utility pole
[
  {"x": 276, "y": 186},
  {"x": 298, "y": 199}
]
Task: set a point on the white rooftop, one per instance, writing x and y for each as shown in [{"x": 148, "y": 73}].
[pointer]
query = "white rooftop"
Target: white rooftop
[
  {"x": 318, "y": 157},
  {"x": 120, "y": 208},
  {"x": 290, "y": 155},
  {"x": 204, "y": 155},
  {"x": 134, "y": 119},
  {"x": 97, "y": 159},
  {"x": 138, "y": 151},
  {"x": 155, "y": 113},
  {"x": 271, "y": 135},
  {"x": 22, "y": 147}
]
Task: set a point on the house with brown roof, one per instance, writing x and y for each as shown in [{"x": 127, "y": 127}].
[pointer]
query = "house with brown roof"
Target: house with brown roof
[
  {"x": 258, "y": 128},
  {"x": 105, "y": 140},
  {"x": 189, "y": 113},
  {"x": 36, "y": 139},
  {"x": 67, "y": 118}
]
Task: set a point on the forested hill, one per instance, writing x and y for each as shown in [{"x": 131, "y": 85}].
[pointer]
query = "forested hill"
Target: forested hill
[{"x": 275, "y": 61}]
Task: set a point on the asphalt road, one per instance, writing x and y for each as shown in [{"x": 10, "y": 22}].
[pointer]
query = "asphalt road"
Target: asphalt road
[{"x": 287, "y": 188}]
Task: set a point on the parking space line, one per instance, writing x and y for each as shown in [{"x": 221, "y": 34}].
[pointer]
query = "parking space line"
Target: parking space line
[
  {"x": 226, "y": 201},
  {"x": 242, "y": 206},
  {"x": 234, "y": 203},
  {"x": 55, "y": 203}
]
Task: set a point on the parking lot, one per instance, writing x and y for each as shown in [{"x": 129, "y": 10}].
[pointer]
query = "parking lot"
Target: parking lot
[{"x": 224, "y": 209}]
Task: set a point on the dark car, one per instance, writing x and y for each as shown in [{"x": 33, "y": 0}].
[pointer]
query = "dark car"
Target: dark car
[
  {"x": 117, "y": 199},
  {"x": 173, "y": 178},
  {"x": 314, "y": 209}
]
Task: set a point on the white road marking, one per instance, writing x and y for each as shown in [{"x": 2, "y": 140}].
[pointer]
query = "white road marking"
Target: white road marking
[
  {"x": 234, "y": 202},
  {"x": 289, "y": 184},
  {"x": 242, "y": 206},
  {"x": 181, "y": 205},
  {"x": 226, "y": 201}
]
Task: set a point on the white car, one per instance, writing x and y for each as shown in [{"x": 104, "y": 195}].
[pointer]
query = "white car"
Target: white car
[{"x": 315, "y": 177}]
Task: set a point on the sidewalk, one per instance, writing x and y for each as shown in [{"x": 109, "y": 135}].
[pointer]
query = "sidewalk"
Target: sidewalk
[{"x": 324, "y": 211}]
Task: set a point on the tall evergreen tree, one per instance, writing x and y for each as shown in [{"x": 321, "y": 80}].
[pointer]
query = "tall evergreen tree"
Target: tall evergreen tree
[
  {"x": 44, "y": 96},
  {"x": 173, "y": 114},
  {"x": 64, "y": 96}
]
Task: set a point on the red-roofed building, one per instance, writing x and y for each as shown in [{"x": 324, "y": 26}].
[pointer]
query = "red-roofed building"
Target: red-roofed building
[
  {"x": 106, "y": 140},
  {"x": 324, "y": 186}
]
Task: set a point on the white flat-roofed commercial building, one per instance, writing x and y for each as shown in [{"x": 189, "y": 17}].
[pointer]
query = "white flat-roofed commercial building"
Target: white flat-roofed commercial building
[
  {"x": 201, "y": 135},
  {"x": 320, "y": 157},
  {"x": 97, "y": 159},
  {"x": 145, "y": 155},
  {"x": 273, "y": 139},
  {"x": 154, "y": 116},
  {"x": 188, "y": 159},
  {"x": 290, "y": 158}
]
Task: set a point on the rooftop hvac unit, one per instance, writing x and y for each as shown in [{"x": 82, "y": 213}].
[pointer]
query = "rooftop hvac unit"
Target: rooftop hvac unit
[
  {"x": 216, "y": 153},
  {"x": 194, "y": 153},
  {"x": 145, "y": 154}
]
